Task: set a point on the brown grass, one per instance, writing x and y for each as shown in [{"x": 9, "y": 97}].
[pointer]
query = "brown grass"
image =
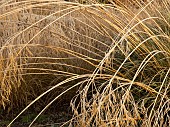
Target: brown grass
[{"x": 116, "y": 56}]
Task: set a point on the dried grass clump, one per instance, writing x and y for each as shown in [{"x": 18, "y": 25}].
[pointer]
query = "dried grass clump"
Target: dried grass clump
[
  {"x": 41, "y": 47},
  {"x": 118, "y": 57}
]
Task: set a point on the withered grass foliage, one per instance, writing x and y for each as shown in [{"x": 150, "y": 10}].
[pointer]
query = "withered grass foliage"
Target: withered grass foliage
[{"x": 116, "y": 55}]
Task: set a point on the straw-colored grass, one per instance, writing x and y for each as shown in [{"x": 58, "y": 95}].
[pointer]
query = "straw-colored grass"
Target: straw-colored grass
[{"x": 113, "y": 58}]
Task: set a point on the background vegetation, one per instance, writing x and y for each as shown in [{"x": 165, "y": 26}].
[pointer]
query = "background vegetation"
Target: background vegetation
[{"x": 109, "y": 60}]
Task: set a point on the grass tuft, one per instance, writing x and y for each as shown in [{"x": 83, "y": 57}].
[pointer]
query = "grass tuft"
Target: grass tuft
[{"x": 109, "y": 58}]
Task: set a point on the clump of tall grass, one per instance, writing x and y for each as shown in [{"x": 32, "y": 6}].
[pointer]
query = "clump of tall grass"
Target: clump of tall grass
[{"x": 115, "y": 55}]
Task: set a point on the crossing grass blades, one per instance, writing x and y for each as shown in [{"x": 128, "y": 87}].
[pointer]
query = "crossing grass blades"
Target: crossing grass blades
[{"x": 111, "y": 58}]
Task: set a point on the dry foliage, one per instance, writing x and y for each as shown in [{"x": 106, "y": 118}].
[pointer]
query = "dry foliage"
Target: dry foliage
[{"x": 115, "y": 55}]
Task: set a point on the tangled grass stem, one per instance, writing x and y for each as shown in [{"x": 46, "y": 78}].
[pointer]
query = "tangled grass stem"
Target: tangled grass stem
[{"x": 112, "y": 58}]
